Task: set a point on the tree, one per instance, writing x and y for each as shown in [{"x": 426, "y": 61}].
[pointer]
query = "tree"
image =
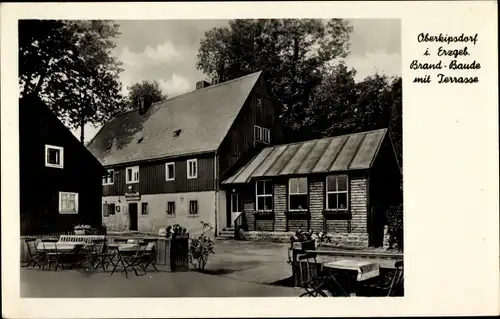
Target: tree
[
  {"x": 69, "y": 65},
  {"x": 150, "y": 88},
  {"x": 292, "y": 53}
]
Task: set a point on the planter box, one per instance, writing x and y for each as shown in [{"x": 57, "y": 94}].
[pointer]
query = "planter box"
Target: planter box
[
  {"x": 173, "y": 253},
  {"x": 304, "y": 245}
]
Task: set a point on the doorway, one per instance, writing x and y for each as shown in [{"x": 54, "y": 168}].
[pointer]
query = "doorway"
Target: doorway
[
  {"x": 236, "y": 209},
  {"x": 132, "y": 212}
]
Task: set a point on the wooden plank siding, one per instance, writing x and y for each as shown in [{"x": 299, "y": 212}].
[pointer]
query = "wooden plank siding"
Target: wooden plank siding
[
  {"x": 238, "y": 147},
  {"x": 40, "y": 185},
  {"x": 152, "y": 177}
]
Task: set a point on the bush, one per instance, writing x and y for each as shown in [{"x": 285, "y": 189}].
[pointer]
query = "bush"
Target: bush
[
  {"x": 201, "y": 248},
  {"x": 394, "y": 217},
  {"x": 175, "y": 231}
]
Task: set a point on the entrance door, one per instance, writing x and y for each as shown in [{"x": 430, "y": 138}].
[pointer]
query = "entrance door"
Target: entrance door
[
  {"x": 132, "y": 213},
  {"x": 236, "y": 209}
]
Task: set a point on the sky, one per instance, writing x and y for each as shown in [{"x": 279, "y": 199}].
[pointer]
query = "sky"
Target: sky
[{"x": 165, "y": 51}]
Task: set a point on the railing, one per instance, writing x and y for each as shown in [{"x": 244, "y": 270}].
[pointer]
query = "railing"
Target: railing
[{"x": 240, "y": 223}]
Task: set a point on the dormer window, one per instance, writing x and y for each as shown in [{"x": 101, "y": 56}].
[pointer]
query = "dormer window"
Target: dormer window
[
  {"x": 140, "y": 140},
  {"x": 54, "y": 156},
  {"x": 177, "y": 133}
]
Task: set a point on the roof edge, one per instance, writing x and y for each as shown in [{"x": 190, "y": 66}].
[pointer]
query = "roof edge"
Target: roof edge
[{"x": 158, "y": 158}]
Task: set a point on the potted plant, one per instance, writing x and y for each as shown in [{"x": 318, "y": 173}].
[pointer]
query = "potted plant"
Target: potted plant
[
  {"x": 303, "y": 240},
  {"x": 82, "y": 229}
]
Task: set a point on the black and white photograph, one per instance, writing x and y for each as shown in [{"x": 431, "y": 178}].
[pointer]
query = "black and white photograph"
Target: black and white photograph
[{"x": 211, "y": 158}]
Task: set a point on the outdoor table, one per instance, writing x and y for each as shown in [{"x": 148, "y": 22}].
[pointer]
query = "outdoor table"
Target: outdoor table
[
  {"x": 64, "y": 247},
  {"x": 365, "y": 269}
]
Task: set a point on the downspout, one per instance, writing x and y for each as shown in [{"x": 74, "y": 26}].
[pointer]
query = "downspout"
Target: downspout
[{"x": 216, "y": 189}]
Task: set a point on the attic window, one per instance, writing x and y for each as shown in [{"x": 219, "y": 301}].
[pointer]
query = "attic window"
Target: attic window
[
  {"x": 140, "y": 140},
  {"x": 177, "y": 133}
]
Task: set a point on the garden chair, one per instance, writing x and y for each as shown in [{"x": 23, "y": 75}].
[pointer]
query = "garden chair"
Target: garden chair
[
  {"x": 52, "y": 255},
  {"x": 130, "y": 259},
  {"x": 149, "y": 255},
  {"x": 397, "y": 283},
  {"x": 101, "y": 255},
  {"x": 317, "y": 284},
  {"x": 34, "y": 255}
]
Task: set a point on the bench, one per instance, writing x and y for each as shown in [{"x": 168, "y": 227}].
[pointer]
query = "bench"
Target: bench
[{"x": 87, "y": 239}]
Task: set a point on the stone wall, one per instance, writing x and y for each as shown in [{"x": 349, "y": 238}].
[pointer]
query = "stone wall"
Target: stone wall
[
  {"x": 351, "y": 232},
  {"x": 157, "y": 216}
]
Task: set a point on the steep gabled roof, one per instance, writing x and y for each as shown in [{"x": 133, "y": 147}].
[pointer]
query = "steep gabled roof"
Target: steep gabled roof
[
  {"x": 203, "y": 117},
  {"x": 332, "y": 154}
]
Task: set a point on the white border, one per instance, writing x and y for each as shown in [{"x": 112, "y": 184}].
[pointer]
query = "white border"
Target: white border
[{"x": 450, "y": 137}]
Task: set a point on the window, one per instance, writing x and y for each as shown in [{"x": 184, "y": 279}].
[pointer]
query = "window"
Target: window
[
  {"x": 108, "y": 209},
  {"x": 145, "y": 208},
  {"x": 54, "y": 156},
  {"x": 68, "y": 203},
  {"x": 236, "y": 206},
  {"x": 192, "y": 171},
  {"x": 170, "y": 171},
  {"x": 297, "y": 193},
  {"x": 262, "y": 134},
  {"x": 264, "y": 194},
  {"x": 132, "y": 174},
  {"x": 171, "y": 208},
  {"x": 266, "y": 135},
  {"x": 108, "y": 179},
  {"x": 337, "y": 192},
  {"x": 257, "y": 133},
  {"x": 193, "y": 207}
]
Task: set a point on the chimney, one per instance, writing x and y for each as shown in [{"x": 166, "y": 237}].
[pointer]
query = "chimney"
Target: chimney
[
  {"x": 145, "y": 102},
  {"x": 202, "y": 84}
]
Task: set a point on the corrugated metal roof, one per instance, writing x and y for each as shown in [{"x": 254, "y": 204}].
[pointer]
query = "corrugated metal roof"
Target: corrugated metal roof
[
  {"x": 203, "y": 117},
  {"x": 332, "y": 154}
]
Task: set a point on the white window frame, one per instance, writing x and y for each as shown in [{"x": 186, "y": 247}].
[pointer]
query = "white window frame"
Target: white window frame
[
  {"x": 135, "y": 169},
  {"x": 61, "y": 156},
  {"x": 195, "y": 162},
  {"x": 166, "y": 171},
  {"x": 111, "y": 172},
  {"x": 255, "y": 130},
  {"x": 266, "y": 135},
  {"x": 65, "y": 211},
  {"x": 257, "y": 195},
  {"x": 327, "y": 192},
  {"x": 197, "y": 212},
  {"x": 290, "y": 193},
  {"x": 173, "y": 212}
]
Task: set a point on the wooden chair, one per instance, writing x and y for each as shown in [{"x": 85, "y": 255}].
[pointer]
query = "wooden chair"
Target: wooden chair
[
  {"x": 102, "y": 256},
  {"x": 34, "y": 255},
  {"x": 130, "y": 259},
  {"x": 52, "y": 255},
  {"x": 314, "y": 282},
  {"x": 397, "y": 283},
  {"x": 149, "y": 255}
]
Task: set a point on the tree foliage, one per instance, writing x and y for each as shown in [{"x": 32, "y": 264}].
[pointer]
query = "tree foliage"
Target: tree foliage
[
  {"x": 69, "y": 65},
  {"x": 150, "y": 88},
  {"x": 291, "y": 53},
  {"x": 300, "y": 62}
]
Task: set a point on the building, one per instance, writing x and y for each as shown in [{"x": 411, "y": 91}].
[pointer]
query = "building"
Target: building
[
  {"x": 60, "y": 180},
  {"x": 165, "y": 160},
  {"x": 341, "y": 185}
]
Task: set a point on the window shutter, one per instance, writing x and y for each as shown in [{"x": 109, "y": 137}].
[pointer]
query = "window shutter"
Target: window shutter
[{"x": 105, "y": 211}]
